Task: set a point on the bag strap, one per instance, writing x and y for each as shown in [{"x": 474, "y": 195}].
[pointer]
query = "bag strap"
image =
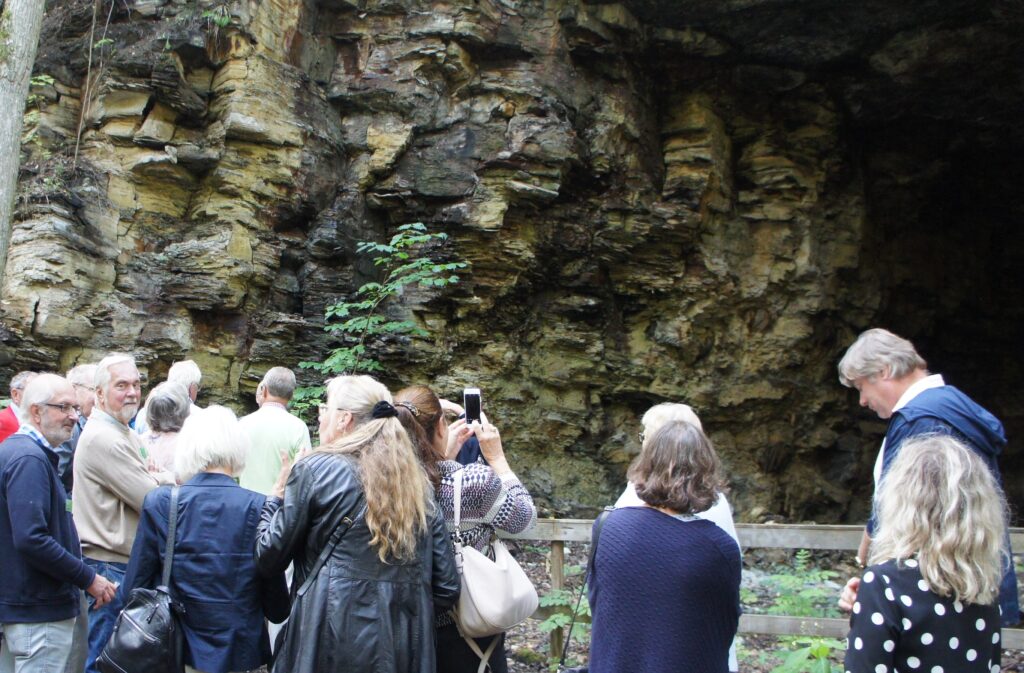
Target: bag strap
[
  {"x": 172, "y": 529},
  {"x": 458, "y": 496},
  {"x": 590, "y": 564},
  {"x": 457, "y": 532},
  {"x": 336, "y": 535},
  {"x": 484, "y": 655}
]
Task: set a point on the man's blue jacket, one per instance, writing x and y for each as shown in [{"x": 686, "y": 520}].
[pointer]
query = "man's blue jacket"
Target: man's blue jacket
[{"x": 41, "y": 567}]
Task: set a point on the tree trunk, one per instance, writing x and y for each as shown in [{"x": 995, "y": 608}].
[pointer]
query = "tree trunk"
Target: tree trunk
[{"x": 20, "y": 22}]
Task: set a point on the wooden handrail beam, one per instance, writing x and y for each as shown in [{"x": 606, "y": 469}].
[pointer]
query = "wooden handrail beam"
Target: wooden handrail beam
[{"x": 752, "y": 535}]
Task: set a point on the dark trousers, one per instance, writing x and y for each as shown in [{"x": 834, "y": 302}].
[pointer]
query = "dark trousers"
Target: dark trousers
[{"x": 454, "y": 655}]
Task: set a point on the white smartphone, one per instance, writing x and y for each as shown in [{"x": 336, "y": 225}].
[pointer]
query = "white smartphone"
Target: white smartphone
[{"x": 471, "y": 403}]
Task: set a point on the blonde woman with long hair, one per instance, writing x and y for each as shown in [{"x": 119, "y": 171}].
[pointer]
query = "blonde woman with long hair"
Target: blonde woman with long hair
[
  {"x": 372, "y": 560},
  {"x": 929, "y": 599}
]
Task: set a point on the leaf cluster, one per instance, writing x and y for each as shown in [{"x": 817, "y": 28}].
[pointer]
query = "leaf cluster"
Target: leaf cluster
[
  {"x": 404, "y": 261},
  {"x": 802, "y": 593},
  {"x": 813, "y": 655}
]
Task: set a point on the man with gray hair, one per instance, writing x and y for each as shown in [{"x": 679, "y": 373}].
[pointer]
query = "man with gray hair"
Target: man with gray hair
[
  {"x": 274, "y": 434},
  {"x": 81, "y": 378},
  {"x": 111, "y": 482},
  {"x": 894, "y": 382},
  {"x": 9, "y": 418},
  {"x": 43, "y": 572},
  {"x": 185, "y": 372}
]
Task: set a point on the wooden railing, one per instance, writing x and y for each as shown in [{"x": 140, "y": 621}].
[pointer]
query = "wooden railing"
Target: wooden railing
[{"x": 752, "y": 536}]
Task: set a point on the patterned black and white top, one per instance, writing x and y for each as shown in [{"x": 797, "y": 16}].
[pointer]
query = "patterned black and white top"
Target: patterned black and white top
[
  {"x": 899, "y": 624},
  {"x": 489, "y": 502}
]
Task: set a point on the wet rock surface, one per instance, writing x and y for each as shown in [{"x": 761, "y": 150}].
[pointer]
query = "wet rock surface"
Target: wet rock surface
[{"x": 698, "y": 201}]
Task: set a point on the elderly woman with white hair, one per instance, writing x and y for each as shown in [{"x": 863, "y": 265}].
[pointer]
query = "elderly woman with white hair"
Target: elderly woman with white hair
[
  {"x": 720, "y": 513},
  {"x": 213, "y": 572}
]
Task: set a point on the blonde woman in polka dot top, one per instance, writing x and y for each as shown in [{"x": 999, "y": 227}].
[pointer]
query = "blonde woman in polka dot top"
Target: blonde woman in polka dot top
[{"x": 928, "y": 601}]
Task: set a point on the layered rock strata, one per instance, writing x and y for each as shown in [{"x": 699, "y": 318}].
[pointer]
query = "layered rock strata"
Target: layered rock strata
[{"x": 660, "y": 201}]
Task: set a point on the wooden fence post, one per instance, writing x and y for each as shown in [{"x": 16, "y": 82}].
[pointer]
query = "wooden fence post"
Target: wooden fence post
[{"x": 557, "y": 582}]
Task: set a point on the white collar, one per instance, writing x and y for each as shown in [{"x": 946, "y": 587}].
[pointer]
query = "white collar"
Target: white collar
[{"x": 928, "y": 382}]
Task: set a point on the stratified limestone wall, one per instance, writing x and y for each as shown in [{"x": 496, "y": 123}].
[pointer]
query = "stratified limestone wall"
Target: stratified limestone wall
[{"x": 647, "y": 220}]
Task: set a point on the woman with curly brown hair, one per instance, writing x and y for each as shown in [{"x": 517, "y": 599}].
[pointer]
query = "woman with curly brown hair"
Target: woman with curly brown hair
[
  {"x": 664, "y": 584},
  {"x": 493, "y": 499},
  {"x": 371, "y": 553}
]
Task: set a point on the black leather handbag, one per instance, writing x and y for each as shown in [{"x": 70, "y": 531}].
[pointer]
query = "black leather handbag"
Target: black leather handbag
[{"x": 147, "y": 636}]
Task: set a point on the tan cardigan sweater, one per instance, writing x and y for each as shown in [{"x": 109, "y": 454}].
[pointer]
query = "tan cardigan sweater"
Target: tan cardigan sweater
[{"x": 111, "y": 481}]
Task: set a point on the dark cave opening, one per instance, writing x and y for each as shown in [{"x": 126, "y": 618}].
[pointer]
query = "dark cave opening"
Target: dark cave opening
[{"x": 943, "y": 242}]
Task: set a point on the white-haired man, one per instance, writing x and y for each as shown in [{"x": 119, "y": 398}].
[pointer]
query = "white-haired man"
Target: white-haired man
[
  {"x": 894, "y": 382},
  {"x": 111, "y": 482},
  {"x": 274, "y": 434},
  {"x": 43, "y": 572},
  {"x": 188, "y": 374},
  {"x": 720, "y": 513},
  {"x": 10, "y": 420},
  {"x": 81, "y": 378}
]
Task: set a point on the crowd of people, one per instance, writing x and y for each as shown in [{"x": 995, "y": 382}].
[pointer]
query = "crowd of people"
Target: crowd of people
[{"x": 341, "y": 557}]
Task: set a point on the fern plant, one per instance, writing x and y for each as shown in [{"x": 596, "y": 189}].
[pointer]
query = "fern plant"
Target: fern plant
[{"x": 563, "y": 602}]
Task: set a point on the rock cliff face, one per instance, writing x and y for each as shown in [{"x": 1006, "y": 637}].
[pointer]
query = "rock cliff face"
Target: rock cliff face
[{"x": 697, "y": 200}]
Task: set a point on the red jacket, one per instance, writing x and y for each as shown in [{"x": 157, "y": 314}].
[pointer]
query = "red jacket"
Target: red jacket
[{"x": 9, "y": 423}]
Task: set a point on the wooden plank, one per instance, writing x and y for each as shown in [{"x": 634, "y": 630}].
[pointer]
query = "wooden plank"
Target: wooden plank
[
  {"x": 752, "y": 535},
  {"x": 780, "y": 625},
  {"x": 798, "y": 536},
  {"x": 567, "y": 530}
]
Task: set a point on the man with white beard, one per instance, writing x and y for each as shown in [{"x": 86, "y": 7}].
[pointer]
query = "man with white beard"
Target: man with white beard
[{"x": 111, "y": 481}]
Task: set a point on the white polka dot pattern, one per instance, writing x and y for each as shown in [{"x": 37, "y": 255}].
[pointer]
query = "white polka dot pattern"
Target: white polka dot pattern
[{"x": 901, "y": 625}]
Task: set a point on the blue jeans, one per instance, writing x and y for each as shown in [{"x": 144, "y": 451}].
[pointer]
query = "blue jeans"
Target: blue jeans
[
  {"x": 36, "y": 648},
  {"x": 101, "y": 621}
]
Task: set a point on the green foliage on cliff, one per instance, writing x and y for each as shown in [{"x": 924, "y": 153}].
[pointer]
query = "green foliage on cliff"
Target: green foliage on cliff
[{"x": 360, "y": 321}]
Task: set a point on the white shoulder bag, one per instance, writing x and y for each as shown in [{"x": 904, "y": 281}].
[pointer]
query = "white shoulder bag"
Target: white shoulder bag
[{"x": 496, "y": 595}]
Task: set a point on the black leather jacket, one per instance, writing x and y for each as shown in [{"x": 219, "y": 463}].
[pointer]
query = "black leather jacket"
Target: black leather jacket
[{"x": 358, "y": 614}]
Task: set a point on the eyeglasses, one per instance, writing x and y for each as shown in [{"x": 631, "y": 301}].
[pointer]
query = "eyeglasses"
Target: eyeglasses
[
  {"x": 91, "y": 389},
  {"x": 64, "y": 408},
  {"x": 323, "y": 409}
]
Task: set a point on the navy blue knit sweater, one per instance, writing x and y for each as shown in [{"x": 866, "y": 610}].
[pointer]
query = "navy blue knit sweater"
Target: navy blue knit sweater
[
  {"x": 41, "y": 565},
  {"x": 664, "y": 594}
]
